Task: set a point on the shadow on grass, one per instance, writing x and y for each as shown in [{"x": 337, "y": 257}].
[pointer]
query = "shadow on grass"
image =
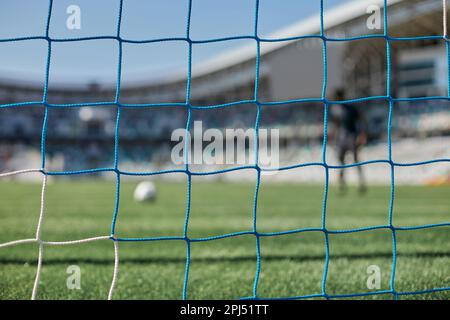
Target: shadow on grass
[{"x": 165, "y": 260}]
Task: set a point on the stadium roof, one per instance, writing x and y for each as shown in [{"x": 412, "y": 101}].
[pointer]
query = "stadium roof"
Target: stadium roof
[{"x": 309, "y": 26}]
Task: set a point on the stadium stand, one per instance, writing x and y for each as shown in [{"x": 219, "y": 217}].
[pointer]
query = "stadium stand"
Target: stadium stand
[{"x": 416, "y": 71}]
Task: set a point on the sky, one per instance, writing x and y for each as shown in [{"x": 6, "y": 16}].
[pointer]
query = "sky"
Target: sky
[{"x": 96, "y": 61}]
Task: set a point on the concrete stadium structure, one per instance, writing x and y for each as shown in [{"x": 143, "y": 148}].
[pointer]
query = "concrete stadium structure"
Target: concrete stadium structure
[{"x": 291, "y": 68}]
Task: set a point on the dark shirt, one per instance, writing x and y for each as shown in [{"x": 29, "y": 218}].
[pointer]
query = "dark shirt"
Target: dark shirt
[{"x": 350, "y": 118}]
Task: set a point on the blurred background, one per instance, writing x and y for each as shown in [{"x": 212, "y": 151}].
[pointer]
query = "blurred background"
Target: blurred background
[{"x": 222, "y": 72}]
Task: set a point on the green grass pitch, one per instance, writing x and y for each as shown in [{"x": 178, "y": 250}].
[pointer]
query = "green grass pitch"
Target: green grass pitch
[{"x": 291, "y": 265}]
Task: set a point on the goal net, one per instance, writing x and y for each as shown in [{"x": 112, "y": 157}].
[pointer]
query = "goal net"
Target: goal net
[{"x": 188, "y": 105}]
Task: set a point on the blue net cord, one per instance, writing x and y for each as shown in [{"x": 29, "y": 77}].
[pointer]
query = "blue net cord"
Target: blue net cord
[{"x": 259, "y": 104}]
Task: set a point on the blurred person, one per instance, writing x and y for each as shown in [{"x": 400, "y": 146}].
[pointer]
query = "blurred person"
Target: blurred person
[{"x": 350, "y": 135}]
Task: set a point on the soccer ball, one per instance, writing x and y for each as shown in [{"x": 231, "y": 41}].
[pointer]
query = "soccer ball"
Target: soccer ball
[{"x": 145, "y": 192}]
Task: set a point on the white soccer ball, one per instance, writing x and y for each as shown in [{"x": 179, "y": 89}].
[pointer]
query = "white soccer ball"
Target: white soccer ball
[{"x": 145, "y": 191}]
